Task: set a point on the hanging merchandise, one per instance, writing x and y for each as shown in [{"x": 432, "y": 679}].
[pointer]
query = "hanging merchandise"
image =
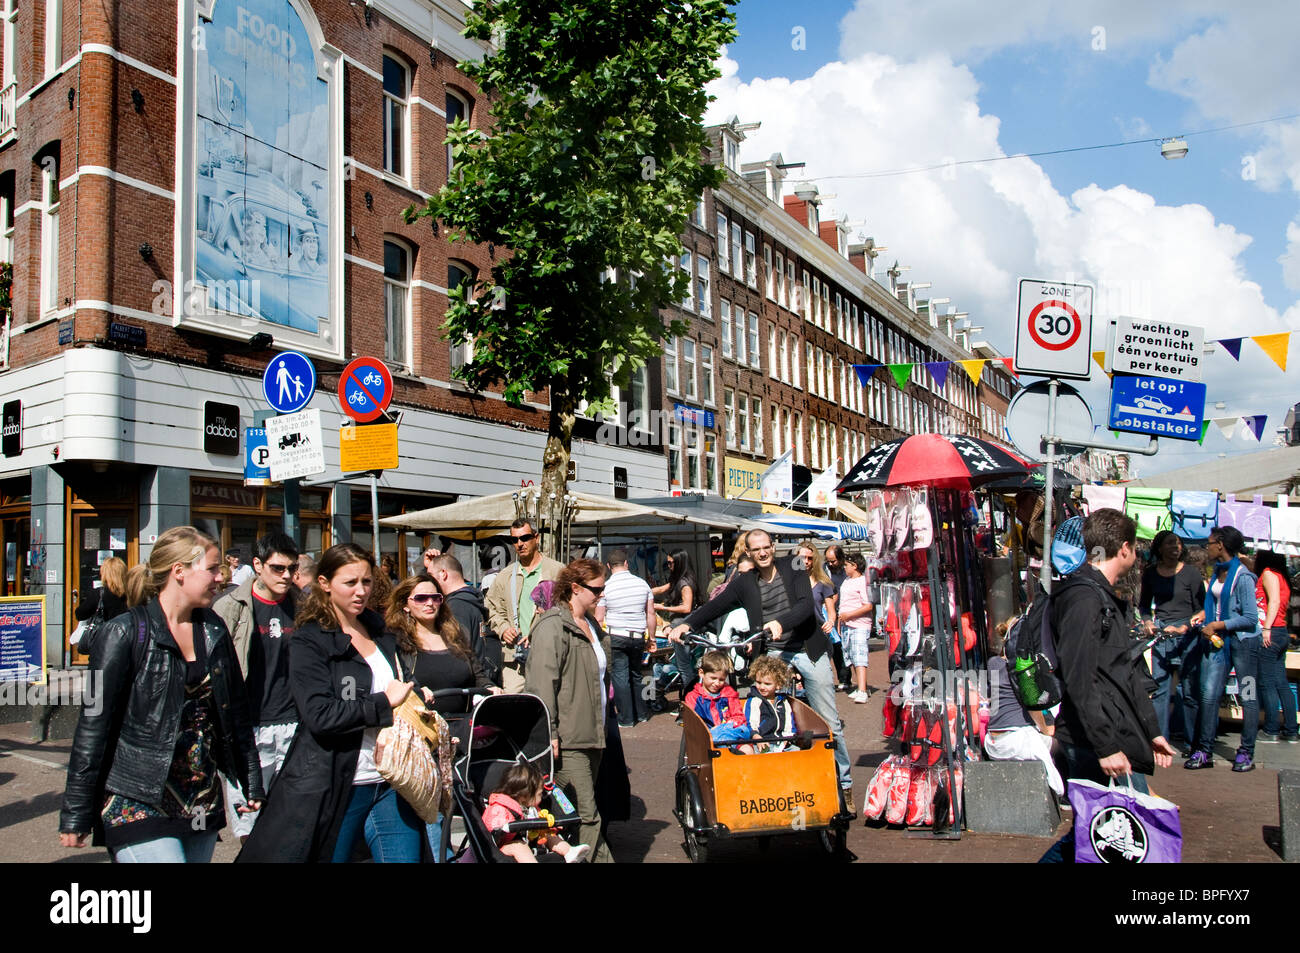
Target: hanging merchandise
[
  {"x": 920, "y": 797},
  {"x": 922, "y": 525},
  {"x": 1149, "y": 508},
  {"x": 880, "y": 785},
  {"x": 900, "y": 785},
  {"x": 1194, "y": 513},
  {"x": 1286, "y": 527},
  {"x": 1104, "y": 497},
  {"x": 1253, "y": 519}
]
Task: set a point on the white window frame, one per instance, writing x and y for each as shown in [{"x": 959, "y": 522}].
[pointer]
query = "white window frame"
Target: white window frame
[
  {"x": 773, "y": 366},
  {"x": 737, "y": 252},
  {"x": 401, "y": 106},
  {"x": 469, "y": 117},
  {"x": 742, "y": 419},
  {"x": 706, "y": 374},
  {"x": 671, "y": 381},
  {"x": 751, "y": 262},
  {"x": 463, "y": 352},
  {"x": 724, "y": 320},
  {"x": 755, "y": 354},
  {"x": 53, "y": 36},
  {"x": 785, "y": 357},
  {"x": 689, "y": 381},
  {"x": 729, "y": 411},
  {"x": 402, "y": 289},
  {"x": 769, "y": 276},
  {"x": 685, "y": 263},
  {"x": 795, "y": 376},
  {"x": 50, "y": 236},
  {"x": 779, "y": 269},
  {"x": 738, "y": 319},
  {"x": 724, "y": 258},
  {"x": 756, "y": 417},
  {"x": 703, "y": 296}
]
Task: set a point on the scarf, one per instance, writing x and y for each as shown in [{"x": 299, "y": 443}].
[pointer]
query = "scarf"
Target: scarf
[{"x": 1230, "y": 568}]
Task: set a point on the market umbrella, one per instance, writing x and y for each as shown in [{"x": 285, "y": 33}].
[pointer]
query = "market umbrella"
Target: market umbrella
[
  {"x": 930, "y": 459},
  {"x": 1035, "y": 480}
]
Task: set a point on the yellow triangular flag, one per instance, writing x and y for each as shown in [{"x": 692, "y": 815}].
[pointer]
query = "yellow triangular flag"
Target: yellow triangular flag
[
  {"x": 1100, "y": 358},
  {"x": 974, "y": 369},
  {"x": 1275, "y": 346}
]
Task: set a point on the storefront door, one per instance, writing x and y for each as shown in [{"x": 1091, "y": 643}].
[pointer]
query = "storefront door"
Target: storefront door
[{"x": 96, "y": 536}]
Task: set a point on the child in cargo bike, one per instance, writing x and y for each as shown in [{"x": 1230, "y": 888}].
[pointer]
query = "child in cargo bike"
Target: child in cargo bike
[
  {"x": 521, "y": 791},
  {"x": 715, "y": 701},
  {"x": 768, "y": 711}
]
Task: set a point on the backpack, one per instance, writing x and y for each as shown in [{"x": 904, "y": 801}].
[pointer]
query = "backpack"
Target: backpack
[
  {"x": 1031, "y": 649},
  {"x": 1194, "y": 513},
  {"x": 1149, "y": 508}
]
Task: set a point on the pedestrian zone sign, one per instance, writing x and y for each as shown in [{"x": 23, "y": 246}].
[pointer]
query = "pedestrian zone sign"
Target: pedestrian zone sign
[
  {"x": 1157, "y": 407},
  {"x": 288, "y": 382}
]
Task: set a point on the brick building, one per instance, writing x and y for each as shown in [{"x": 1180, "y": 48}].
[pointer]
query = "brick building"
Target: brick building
[
  {"x": 782, "y": 306},
  {"x": 186, "y": 189}
]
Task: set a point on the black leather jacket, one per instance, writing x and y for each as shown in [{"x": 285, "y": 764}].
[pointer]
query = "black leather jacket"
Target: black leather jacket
[{"x": 126, "y": 741}]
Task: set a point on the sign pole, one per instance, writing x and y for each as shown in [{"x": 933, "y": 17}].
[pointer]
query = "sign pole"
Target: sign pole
[
  {"x": 292, "y": 514},
  {"x": 374, "y": 513},
  {"x": 1049, "y": 465}
]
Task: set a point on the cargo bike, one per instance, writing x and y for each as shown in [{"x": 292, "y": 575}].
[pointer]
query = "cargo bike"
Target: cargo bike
[{"x": 723, "y": 794}]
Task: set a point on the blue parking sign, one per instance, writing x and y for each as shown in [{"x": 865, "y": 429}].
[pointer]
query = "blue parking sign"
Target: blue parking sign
[
  {"x": 288, "y": 382},
  {"x": 257, "y": 456},
  {"x": 1157, "y": 407}
]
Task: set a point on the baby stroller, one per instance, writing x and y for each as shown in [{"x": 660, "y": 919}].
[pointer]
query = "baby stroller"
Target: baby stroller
[{"x": 503, "y": 730}]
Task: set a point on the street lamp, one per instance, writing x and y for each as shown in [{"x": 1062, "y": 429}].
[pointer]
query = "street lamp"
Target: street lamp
[{"x": 1174, "y": 148}]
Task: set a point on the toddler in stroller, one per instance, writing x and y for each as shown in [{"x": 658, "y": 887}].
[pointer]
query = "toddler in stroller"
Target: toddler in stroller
[{"x": 517, "y": 799}]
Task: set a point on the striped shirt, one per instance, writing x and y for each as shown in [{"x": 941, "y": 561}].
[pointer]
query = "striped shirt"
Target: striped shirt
[{"x": 625, "y": 600}]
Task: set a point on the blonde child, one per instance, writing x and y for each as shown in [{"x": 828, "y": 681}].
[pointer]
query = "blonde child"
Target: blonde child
[
  {"x": 517, "y": 799},
  {"x": 768, "y": 711}
]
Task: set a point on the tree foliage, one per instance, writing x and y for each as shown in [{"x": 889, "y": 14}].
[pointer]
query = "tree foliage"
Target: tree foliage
[{"x": 592, "y": 164}]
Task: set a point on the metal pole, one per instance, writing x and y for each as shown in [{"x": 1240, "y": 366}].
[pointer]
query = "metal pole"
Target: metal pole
[
  {"x": 374, "y": 513},
  {"x": 1045, "y": 572}
]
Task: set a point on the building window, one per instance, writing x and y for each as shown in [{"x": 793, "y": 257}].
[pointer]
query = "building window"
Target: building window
[
  {"x": 670, "y": 365},
  {"x": 729, "y": 410},
  {"x": 780, "y": 279},
  {"x": 49, "y": 235},
  {"x": 785, "y": 357},
  {"x": 751, "y": 263},
  {"x": 53, "y": 35},
  {"x": 689, "y": 301},
  {"x": 755, "y": 360},
  {"x": 805, "y": 297},
  {"x": 788, "y": 429},
  {"x": 739, "y": 317},
  {"x": 7, "y": 217},
  {"x": 777, "y": 448},
  {"x": 457, "y": 107},
  {"x": 459, "y": 275},
  {"x": 697, "y": 217},
  {"x": 732, "y": 156},
  {"x": 769, "y": 276},
  {"x": 756, "y": 415},
  {"x": 9, "y": 97},
  {"x": 789, "y": 294},
  {"x": 737, "y": 262},
  {"x": 706, "y": 374},
  {"x": 798, "y": 439},
  {"x": 397, "y": 303},
  {"x": 636, "y": 405},
  {"x": 688, "y": 368},
  {"x": 826, "y": 307},
  {"x": 817, "y": 302},
  {"x": 724, "y": 258},
  {"x": 397, "y": 90},
  {"x": 724, "y": 319},
  {"x": 674, "y": 455},
  {"x": 794, "y": 362},
  {"x": 702, "y": 296},
  {"x": 773, "y": 366},
  {"x": 742, "y": 419},
  {"x": 814, "y": 436},
  {"x": 812, "y": 373}
]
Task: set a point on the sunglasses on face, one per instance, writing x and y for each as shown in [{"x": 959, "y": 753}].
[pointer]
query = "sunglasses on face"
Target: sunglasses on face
[
  {"x": 594, "y": 590},
  {"x": 280, "y": 569},
  {"x": 527, "y": 537},
  {"x": 420, "y": 598}
]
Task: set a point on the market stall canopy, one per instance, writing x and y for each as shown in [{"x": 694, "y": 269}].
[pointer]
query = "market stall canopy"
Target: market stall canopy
[
  {"x": 944, "y": 461},
  {"x": 488, "y": 515},
  {"x": 851, "y": 512},
  {"x": 1035, "y": 480},
  {"x": 1245, "y": 474},
  {"x": 791, "y": 523}
]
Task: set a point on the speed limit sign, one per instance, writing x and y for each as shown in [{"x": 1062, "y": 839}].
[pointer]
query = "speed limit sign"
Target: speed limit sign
[{"x": 1054, "y": 329}]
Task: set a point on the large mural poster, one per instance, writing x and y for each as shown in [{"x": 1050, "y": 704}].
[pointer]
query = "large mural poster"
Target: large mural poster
[{"x": 262, "y": 242}]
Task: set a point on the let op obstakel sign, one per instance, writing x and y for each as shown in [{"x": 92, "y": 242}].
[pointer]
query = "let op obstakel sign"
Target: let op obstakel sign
[
  {"x": 1158, "y": 407},
  {"x": 1054, "y": 329}
]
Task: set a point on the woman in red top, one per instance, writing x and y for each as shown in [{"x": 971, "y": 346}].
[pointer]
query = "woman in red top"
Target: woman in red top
[{"x": 1273, "y": 593}]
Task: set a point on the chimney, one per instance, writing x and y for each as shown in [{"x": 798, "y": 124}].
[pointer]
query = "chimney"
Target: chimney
[
  {"x": 796, "y": 208},
  {"x": 829, "y": 232}
]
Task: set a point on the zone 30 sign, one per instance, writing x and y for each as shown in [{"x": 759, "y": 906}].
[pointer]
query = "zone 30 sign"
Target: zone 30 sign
[{"x": 1054, "y": 329}]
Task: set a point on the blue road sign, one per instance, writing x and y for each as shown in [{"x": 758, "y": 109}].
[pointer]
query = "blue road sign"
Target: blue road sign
[
  {"x": 257, "y": 456},
  {"x": 288, "y": 382},
  {"x": 1157, "y": 406}
]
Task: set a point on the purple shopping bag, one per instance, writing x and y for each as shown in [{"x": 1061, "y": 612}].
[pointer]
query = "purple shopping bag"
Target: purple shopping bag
[{"x": 1117, "y": 825}]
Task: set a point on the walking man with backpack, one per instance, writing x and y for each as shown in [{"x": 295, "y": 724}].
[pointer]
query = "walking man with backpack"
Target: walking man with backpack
[{"x": 1107, "y": 726}]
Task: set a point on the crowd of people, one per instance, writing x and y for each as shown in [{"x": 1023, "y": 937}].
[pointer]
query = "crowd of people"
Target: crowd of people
[{"x": 258, "y": 708}]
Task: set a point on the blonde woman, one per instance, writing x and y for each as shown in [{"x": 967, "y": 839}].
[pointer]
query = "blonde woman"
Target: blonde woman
[
  {"x": 171, "y": 685},
  {"x": 109, "y": 600}
]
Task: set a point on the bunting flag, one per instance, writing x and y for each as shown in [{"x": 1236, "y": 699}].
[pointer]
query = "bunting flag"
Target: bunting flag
[
  {"x": 1010, "y": 363},
  {"x": 1205, "y": 428},
  {"x": 939, "y": 371},
  {"x": 1275, "y": 346},
  {"x": 1255, "y": 424},
  {"x": 901, "y": 373},
  {"x": 1232, "y": 346},
  {"x": 974, "y": 368},
  {"x": 1100, "y": 358},
  {"x": 1227, "y": 425},
  {"x": 866, "y": 371}
]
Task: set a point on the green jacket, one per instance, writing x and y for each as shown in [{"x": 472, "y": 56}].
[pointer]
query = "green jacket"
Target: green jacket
[{"x": 562, "y": 671}]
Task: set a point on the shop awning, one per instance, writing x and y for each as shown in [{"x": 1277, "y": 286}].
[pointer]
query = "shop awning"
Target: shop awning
[
  {"x": 809, "y": 525},
  {"x": 851, "y": 512},
  {"x": 488, "y": 515}
]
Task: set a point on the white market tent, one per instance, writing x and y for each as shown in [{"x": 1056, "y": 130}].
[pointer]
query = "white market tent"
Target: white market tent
[{"x": 1246, "y": 474}]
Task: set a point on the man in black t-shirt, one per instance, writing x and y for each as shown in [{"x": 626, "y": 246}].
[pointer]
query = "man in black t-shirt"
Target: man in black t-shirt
[{"x": 259, "y": 615}]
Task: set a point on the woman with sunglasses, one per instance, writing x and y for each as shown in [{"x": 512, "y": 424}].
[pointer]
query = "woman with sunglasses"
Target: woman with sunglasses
[
  {"x": 568, "y": 669},
  {"x": 434, "y": 651},
  {"x": 679, "y": 600}
]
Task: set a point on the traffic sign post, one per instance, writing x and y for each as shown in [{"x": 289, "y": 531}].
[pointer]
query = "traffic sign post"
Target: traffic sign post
[
  {"x": 289, "y": 382},
  {"x": 365, "y": 389},
  {"x": 1054, "y": 329},
  {"x": 1157, "y": 407}
]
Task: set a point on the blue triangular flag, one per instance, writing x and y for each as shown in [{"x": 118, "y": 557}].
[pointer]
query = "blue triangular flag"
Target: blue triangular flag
[
  {"x": 865, "y": 371},
  {"x": 1232, "y": 346},
  {"x": 939, "y": 371}
]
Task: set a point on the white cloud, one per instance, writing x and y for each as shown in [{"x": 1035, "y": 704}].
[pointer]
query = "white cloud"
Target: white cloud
[
  {"x": 1290, "y": 260},
  {"x": 973, "y": 231}
]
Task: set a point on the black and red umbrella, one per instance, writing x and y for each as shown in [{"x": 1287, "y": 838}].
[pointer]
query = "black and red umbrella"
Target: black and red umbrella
[{"x": 931, "y": 459}]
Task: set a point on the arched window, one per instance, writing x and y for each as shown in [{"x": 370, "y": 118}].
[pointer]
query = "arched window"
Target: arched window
[
  {"x": 397, "y": 302},
  {"x": 461, "y": 274},
  {"x": 458, "y": 106}
]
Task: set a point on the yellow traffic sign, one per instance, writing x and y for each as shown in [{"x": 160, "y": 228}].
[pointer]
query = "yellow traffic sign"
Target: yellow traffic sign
[{"x": 372, "y": 447}]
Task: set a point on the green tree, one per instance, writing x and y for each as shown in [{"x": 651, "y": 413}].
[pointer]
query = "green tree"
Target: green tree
[{"x": 594, "y": 160}]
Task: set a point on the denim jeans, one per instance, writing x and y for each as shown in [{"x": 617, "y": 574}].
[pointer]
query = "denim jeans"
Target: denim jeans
[
  {"x": 193, "y": 848},
  {"x": 819, "y": 685},
  {"x": 1166, "y": 659},
  {"x": 1245, "y": 660},
  {"x": 391, "y": 827},
  {"x": 626, "y": 674},
  {"x": 1205, "y": 671},
  {"x": 1274, "y": 689}
]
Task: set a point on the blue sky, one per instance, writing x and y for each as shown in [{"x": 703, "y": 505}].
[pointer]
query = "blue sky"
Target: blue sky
[{"x": 881, "y": 86}]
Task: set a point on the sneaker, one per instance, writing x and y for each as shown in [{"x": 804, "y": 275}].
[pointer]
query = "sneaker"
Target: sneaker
[
  {"x": 849, "y": 806},
  {"x": 860, "y": 697},
  {"x": 1266, "y": 739},
  {"x": 1291, "y": 739},
  {"x": 1244, "y": 761},
  {"x": 1199, "y": 759},
  {"x": 577, "y": 853}
]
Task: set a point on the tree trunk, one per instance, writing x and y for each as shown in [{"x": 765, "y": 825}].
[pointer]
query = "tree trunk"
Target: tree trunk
[{"x": 555, "y": 473}]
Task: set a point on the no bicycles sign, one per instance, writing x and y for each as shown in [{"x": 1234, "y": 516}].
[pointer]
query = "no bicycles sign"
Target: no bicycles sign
[{"x": 1054, "y": 329}]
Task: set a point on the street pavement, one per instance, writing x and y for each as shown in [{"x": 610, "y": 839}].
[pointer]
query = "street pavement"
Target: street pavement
[{"x": 1226, "y": 817}]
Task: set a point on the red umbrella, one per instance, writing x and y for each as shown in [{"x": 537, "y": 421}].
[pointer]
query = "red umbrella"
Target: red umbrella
[{"x": 931, "y": 459}]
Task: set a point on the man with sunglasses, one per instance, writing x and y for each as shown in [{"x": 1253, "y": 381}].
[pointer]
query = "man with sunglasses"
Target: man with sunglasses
[
  {"x": 259, "y": 614},
  {"x": 509, "y": 599}
]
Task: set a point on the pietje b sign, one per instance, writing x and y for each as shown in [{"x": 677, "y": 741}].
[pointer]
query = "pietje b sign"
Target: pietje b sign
[{"x": 1154, "y": 348}]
